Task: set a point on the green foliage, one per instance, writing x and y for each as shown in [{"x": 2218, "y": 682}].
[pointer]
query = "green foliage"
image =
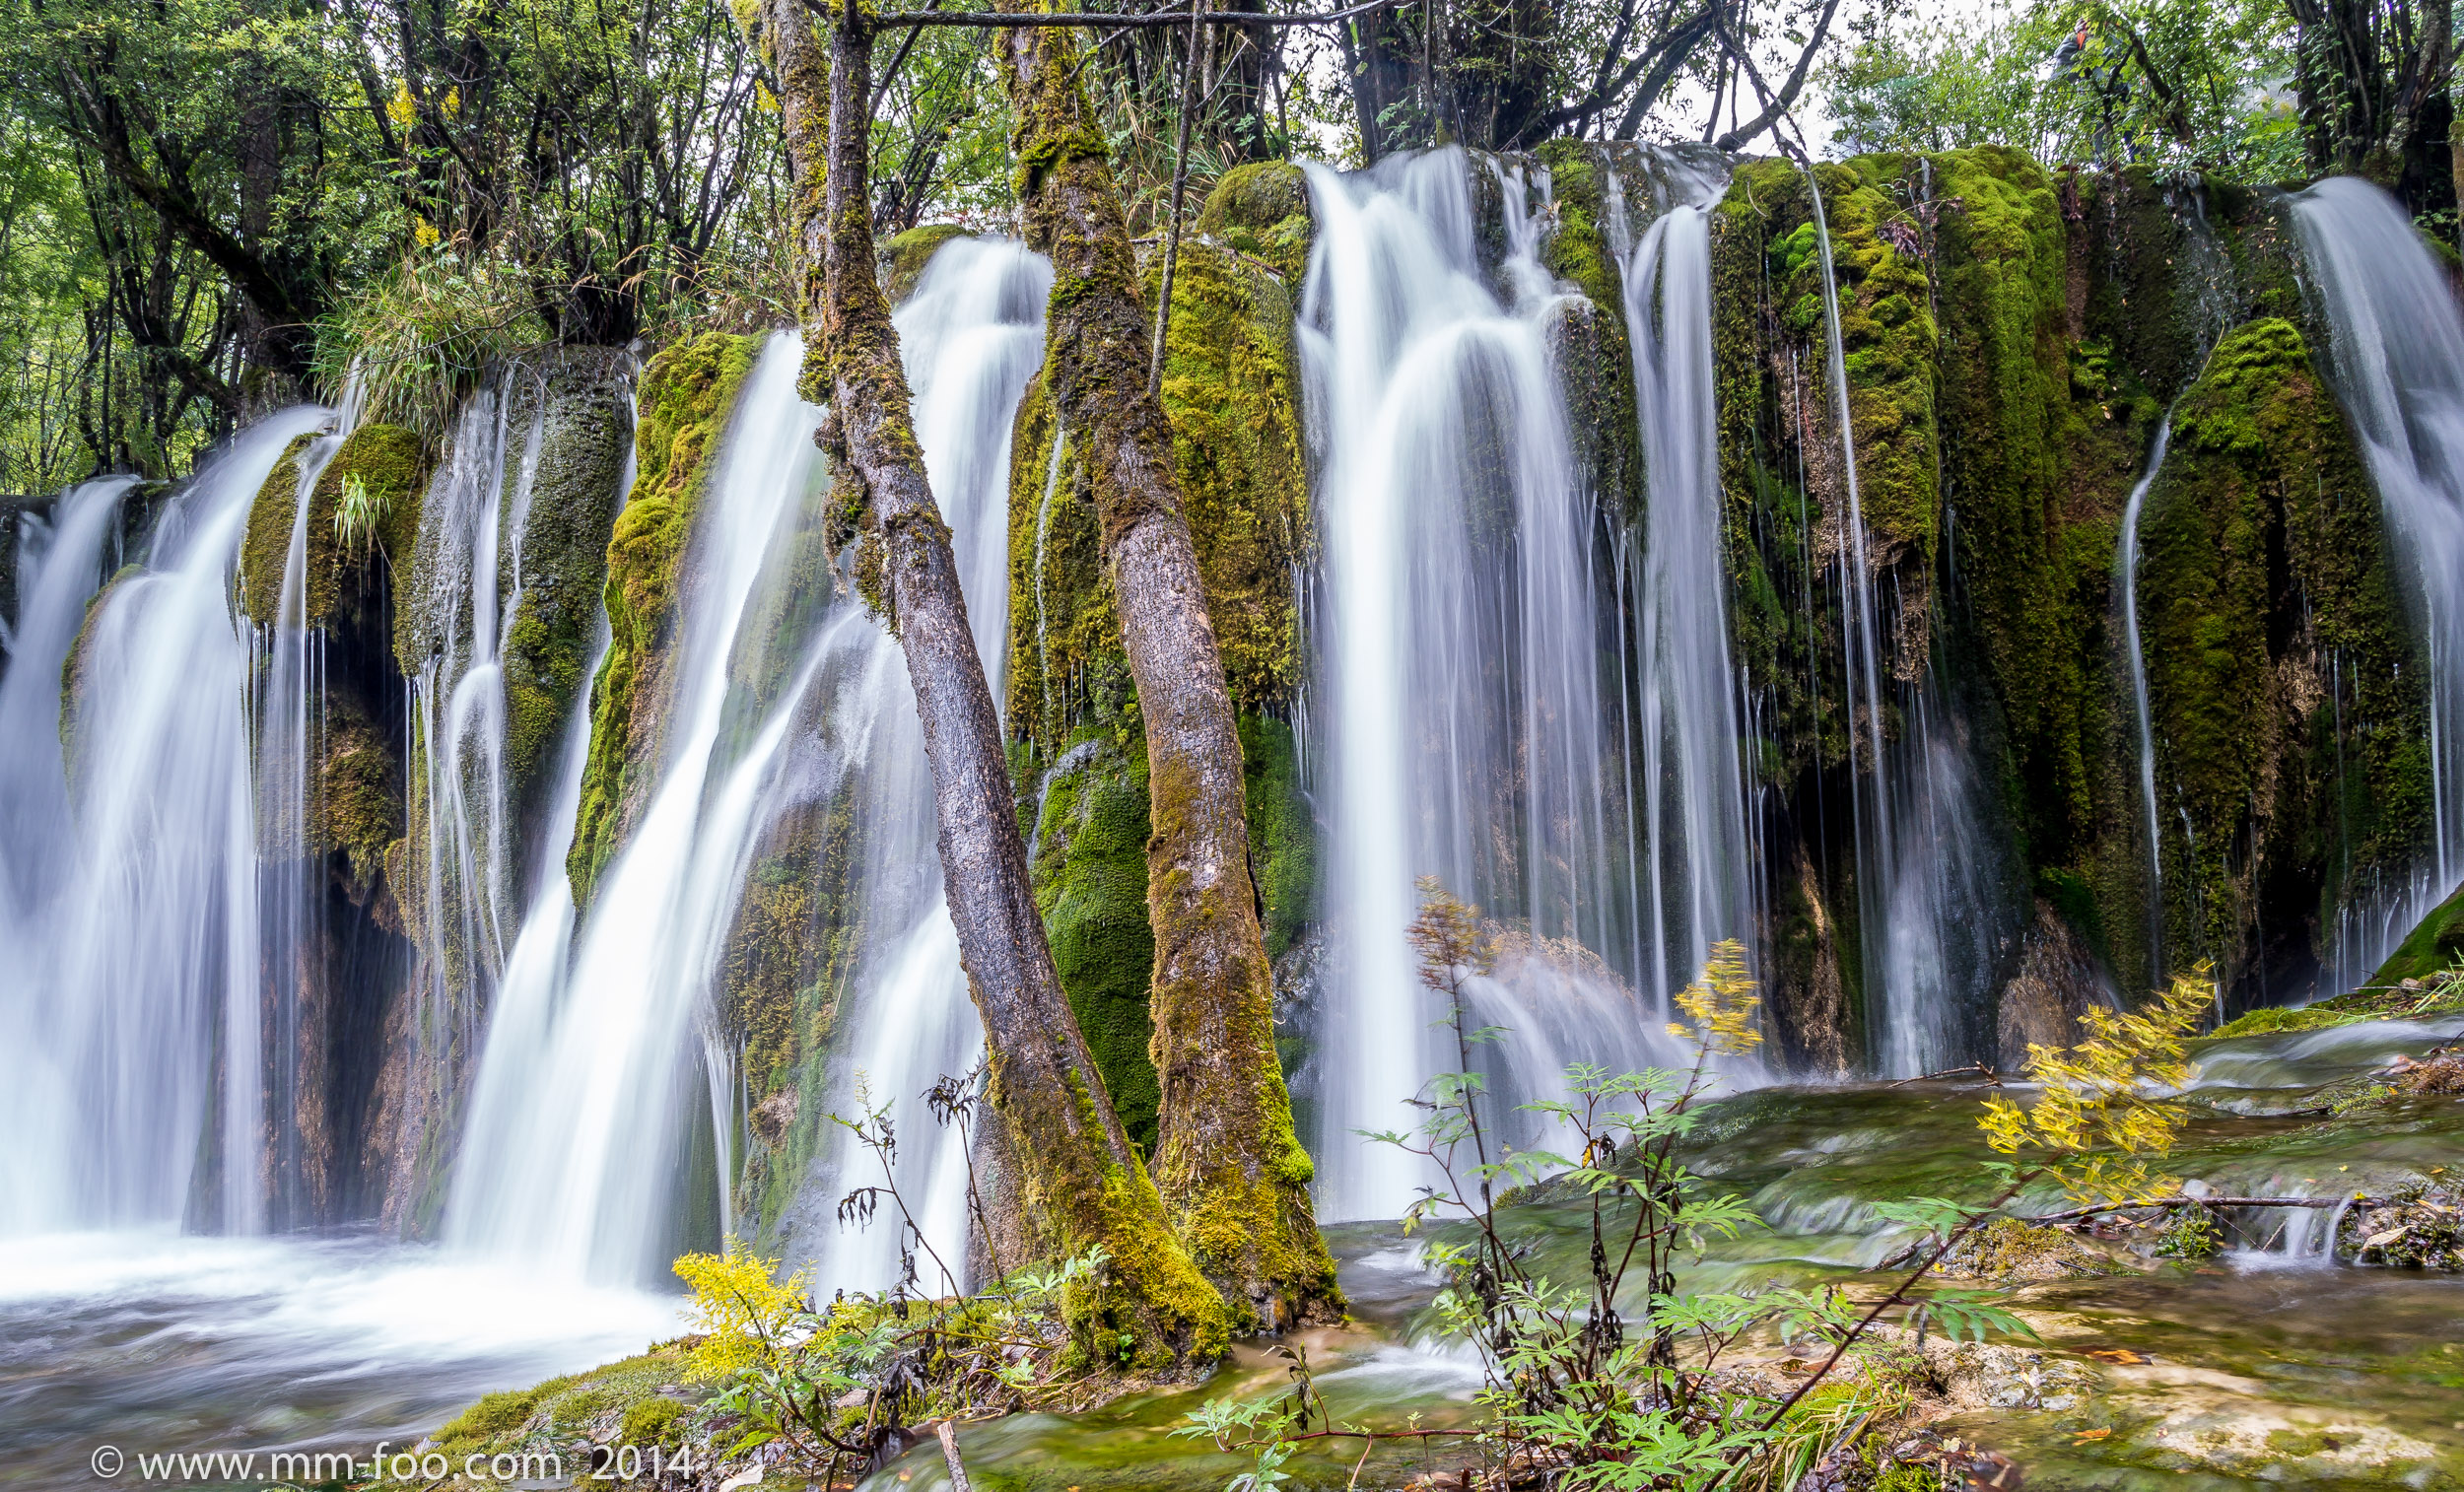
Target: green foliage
[
  {"x": 419, "y": 338},
  {"x": 2188, "y": 82},
  {"x": 1577, "y": 1377}
]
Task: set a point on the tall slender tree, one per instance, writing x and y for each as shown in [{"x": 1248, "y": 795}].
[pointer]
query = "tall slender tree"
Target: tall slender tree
[
  {"x": 1232, "y": 1171},
  {"x": 1078, "y": 1179}
]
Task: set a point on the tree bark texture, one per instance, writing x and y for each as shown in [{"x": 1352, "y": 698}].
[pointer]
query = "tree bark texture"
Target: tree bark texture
[
  {"x": 1079, "y": 1181},
  {"x": 1233, "y": 1174}
]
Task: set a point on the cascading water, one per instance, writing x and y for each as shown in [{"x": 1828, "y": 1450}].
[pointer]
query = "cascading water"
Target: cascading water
[
  {"x": 574, "y": 1172},
  {"x": 59, "y": 568},
  {"x": 581, "y": 1109},
  {"x": 972, "y": 335},
  {"x": 1459, "y": 722},
  {"x": 133, "y": 1007},
  {"x": 2396, "y": 347},
  {"x": 2137, "y": 659},
  {"x": 1697, "y": 857},
  {"x": 1925, "y": 895}
]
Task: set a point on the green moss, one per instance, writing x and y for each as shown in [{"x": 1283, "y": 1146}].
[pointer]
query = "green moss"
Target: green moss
[
  {"x": 391, "y": 462},
  {"x": 1231, "y": 392},
  {"x": 1594, "y": 359},
  {"x": 493, "y": 1415},
  {"x": 1282, "y": 837},
  {"x": 2286, "y": 696},
  {"x": 2436, "y": 943},
  {"x": 584, "y": 427},
  {"x": 1090, "y": 874},
  {"x": 684, "y": 398},
  {"x": 1262, "y": 209},
  {"x": 903, "y": 256},
  {"x": 651, "y": 1422}
]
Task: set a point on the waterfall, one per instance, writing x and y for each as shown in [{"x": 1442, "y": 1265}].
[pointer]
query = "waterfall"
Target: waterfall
[
  {"x": 1459, "y": 722},
  {"x": 2137, "y": 654},
  {"x": 476, "y": 505},
  {"x": 1925, "y": 898},
  {"x": 1697, "y": 857},
  {"x": 132, "y": 1003},
  {"x": 59, "y": 570},
  {"x": 972, "y": 336},
  {"x": 787, "y": 694},
  {"x": 2396, "y": 348},
  {"x": 574, "y": 1171}
]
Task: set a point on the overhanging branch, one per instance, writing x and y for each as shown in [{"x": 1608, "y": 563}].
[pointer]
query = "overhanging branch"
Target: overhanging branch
[{"x": 890, "y": 19}]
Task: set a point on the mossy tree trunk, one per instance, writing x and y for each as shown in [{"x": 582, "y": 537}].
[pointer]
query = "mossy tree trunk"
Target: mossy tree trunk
[
  {"x": 1234, "y": 1174},
  {"x": 1079, "y": 1180}
]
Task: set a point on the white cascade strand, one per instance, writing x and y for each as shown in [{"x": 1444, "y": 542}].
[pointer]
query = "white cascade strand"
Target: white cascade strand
[
  {"x": 2396, "y": 347},
  {"x": 133, "y": 1007}
]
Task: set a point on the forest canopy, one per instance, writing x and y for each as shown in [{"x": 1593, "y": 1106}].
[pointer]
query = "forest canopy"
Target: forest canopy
[{"x": 209, "y": 208}]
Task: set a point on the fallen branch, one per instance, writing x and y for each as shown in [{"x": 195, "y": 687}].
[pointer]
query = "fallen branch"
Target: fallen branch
[
  {"x": 2170, "y": 1202},
  {"x": 949, "y": 1457}
]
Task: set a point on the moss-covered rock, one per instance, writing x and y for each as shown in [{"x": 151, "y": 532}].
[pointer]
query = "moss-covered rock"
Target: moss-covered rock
[
  {"x": 583, "y": 426},
  {"x": 2285, "y": 687},
  {"x": 1090, "y": 876},
  {"x": 686, "y": 393},
  {"x": 389, "y": 465},
  {"x": 903, "y": 257},
  {"x": 2436, "y": 943},
  {"x": 1261, "y": 210}
]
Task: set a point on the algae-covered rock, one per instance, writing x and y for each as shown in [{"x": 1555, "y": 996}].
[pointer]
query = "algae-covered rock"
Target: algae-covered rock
[
  {"x": 1089, "y": 851},
  {"x": 1262, "y": 209},
  {"x": 685, "y": 395},
  {"x": 2009, "y": 1251},
  {"x": 903, "y": 256},
  {"x": 386, "y": 464},
  {"x": 2436, "y": 943},
  {"x": 583, "y": 422},
  {"x": 2284, "y": 689}
]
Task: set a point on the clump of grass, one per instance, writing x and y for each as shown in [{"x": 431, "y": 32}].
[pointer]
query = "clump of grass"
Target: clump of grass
[{"x": 422, "y": 335}]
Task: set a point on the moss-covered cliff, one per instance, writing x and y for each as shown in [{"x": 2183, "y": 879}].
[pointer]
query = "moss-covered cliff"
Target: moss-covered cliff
[
  {"x": 2011, "y": 339},
  {"x": 685, "y": 395},
  {"x": 2286, "y": 688},
  {"x": 1231, "y": 394}
]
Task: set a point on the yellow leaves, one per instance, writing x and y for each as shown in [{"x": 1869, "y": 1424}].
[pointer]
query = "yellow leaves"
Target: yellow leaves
[
  {"x": 2096, "y": 1114},
  {"x": 1447, "y": 938},
  {"x": 422, "y": 231},
  {"x": 762, "y": 99},
  {"x": 403, "y": 108},
  {"x": 743, "y": 1310},
  {"x": 1721, "y": 1004}
]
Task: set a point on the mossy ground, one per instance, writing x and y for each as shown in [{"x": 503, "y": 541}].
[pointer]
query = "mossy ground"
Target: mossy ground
[{"x": 644, "y": 1401}]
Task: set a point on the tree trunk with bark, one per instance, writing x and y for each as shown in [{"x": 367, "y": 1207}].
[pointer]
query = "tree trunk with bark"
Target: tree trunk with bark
[
  {"x": 1078, "y": 1179},
  {"x": 1233, "y": 1174}
]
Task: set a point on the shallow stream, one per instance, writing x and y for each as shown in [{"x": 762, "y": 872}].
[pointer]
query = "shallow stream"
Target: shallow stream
[{"x": 2267, "y": 1365}]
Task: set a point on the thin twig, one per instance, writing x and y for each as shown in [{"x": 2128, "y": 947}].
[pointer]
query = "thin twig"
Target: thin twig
[
  {"x": 1024, "y": 19},
  {"x": 1180, "y": 186}
]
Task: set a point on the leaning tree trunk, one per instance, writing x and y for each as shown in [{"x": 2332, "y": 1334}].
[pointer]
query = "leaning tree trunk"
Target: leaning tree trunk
[
  {"x": 1079, "y": 1178},
  {"x": 1231, "y": 1168}
]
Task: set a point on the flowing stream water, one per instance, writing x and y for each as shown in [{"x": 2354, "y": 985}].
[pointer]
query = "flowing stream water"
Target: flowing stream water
[{"x": 2396, "y": 348}]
